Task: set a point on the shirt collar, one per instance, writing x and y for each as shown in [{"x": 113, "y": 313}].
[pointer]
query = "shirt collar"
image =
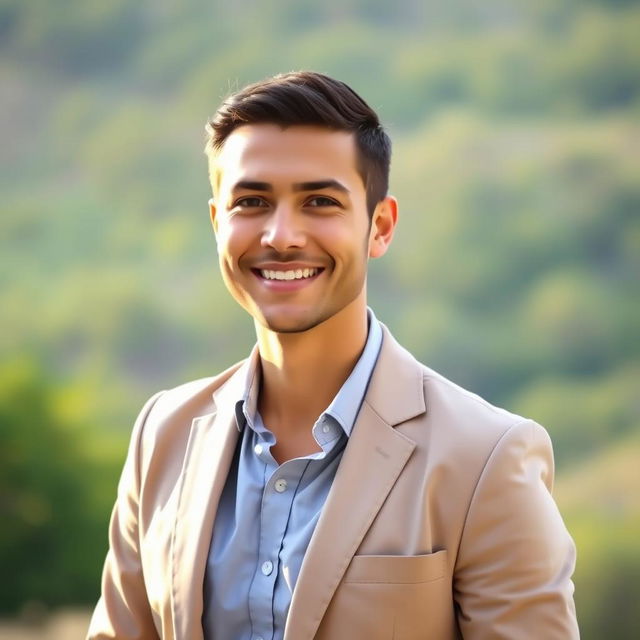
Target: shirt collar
[{"x": 344, "y": 407}]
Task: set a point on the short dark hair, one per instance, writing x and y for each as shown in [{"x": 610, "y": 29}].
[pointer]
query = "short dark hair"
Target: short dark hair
[{"x": 310, "y": 98}]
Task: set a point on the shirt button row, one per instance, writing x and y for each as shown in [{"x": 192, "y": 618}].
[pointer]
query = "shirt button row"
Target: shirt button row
[
  {"x": 281, "y": 485},
  {"x": 326, "y": 428},
  {"x": 267, "y": 567}
]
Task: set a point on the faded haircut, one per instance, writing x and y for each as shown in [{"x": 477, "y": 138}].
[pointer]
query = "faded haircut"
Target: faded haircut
[{"x": 309, "y": 98}]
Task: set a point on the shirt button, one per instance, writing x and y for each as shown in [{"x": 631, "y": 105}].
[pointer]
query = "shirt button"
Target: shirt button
[
  {"x": 267, "y": 567},
  {"x": 258, "y": 449},
  {"x": 326, "y": 428},
  {"x": 281, "y": 485}
]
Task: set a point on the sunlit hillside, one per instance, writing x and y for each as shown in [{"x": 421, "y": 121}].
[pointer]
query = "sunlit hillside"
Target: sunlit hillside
[
  {"x": 601, "y": 504},
  {"x": 514, "y": 271}
]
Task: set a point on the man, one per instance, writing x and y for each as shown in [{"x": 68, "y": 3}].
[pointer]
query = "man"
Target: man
[{"x": 329, "y": 486}]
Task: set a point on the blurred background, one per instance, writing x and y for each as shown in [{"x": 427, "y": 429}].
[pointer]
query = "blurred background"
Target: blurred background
[{"x": 514, "y": 271}]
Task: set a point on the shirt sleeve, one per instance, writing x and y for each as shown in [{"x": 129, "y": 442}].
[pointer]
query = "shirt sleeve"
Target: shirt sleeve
[
  {"x": 123, "y": 610},
  {"x": 513, "y": 572}
]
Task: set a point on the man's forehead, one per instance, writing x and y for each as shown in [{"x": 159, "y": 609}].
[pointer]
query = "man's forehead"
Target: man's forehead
[
  {"x": 255, "y": 144},
  {"x": 268, "y": 133}
]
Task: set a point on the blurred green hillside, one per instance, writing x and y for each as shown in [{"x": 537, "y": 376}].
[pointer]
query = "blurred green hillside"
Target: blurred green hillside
[{"x": 514, "y": 271}]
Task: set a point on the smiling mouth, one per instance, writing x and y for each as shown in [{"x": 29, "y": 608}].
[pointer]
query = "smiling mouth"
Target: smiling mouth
[{"x": 288, "y": 274}]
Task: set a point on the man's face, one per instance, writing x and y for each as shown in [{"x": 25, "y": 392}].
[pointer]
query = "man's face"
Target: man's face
[{"x": 290, "y": 216}]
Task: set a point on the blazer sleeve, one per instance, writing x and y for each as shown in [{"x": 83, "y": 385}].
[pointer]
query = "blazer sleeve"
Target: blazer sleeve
[
  {"x": 123, "y": 610},
  {"x": 513, "y": 571}
]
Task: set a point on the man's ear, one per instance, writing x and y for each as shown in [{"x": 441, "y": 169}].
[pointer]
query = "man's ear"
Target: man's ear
[
  {"x": 383, "y": 224},
  {"x": 212, "y": 215}
]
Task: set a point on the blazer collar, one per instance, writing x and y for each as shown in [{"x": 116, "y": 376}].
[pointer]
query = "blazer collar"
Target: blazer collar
[
  {"x": 373, "y": 460},
  {"x": 396, "y": 391},
  {"x": 208, "y": 456}
]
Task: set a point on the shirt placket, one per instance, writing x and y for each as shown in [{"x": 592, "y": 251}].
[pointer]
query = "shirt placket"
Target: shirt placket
[{"x": 280, "y": 483}]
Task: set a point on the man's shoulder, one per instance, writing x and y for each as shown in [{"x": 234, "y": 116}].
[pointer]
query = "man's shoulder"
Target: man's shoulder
[
  {"x": 197, "y": 392},
  {"x": 459, "y": 429},
  {"x": 463, "y": 421},
  {"x": 446, "y": 397},
  {"x": 455, "y": 413},
  {"x": 173, "y": 410}
]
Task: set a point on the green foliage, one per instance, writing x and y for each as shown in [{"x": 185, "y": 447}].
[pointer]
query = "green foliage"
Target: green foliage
[
  {"x": 514, "y": 270},
  {"x": 53, "y": 517},
  {"x": 584, "y": 414},
  {"x": 602, "y": 510},
  {"x": 76, "y": 38}
]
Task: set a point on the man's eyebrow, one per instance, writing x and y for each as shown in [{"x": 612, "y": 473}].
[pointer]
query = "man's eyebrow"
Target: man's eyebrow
[
  {"x": 252, "y": 185},
  {"x": 319, "y": 185}
]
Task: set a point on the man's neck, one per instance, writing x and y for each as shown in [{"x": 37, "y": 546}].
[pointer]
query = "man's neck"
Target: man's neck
[{"x": 302, "y": 372}]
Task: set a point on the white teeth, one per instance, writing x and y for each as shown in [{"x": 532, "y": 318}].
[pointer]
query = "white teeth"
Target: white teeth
[{"x": 298, "y": 274}]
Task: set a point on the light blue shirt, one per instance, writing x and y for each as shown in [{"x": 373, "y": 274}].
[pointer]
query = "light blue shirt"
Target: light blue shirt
[{"x": 268, "y": 512}]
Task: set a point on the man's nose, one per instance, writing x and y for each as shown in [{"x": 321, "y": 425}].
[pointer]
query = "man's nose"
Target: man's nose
[{"x": 284, "y": 229}]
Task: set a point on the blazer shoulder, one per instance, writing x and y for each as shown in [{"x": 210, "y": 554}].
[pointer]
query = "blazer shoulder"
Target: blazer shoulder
[
  {"x": 444, "y": 394},
  {"x": 195, "y": 394},
  {"x": 403, "y": 388},
  {"x": 466, "y": 438},
  {"x": 168, "y": 415},
  {"x": 468, "y": 426}
]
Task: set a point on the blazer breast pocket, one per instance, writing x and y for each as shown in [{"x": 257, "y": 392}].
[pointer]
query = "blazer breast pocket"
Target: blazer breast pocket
[
  {"x": 385, "y": 597},
  {"x": 396, "y": 569}
]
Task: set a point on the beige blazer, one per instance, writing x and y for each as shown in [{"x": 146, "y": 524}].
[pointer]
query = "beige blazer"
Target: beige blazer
[{"x": 439, "y": 524}]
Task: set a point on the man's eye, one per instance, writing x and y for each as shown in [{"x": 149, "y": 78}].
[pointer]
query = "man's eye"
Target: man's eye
[
  {"x": 250, "y": 201},
  {"x": 322, "y": 201}
]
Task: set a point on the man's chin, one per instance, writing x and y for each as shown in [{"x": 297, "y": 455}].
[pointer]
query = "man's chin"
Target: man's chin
[
  {"x": 290, "y": 327},
  {"x": 289, "y": 324}
]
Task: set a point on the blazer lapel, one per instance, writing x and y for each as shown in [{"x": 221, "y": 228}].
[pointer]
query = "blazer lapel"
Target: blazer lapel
[
  {"x": 207, "y": 460},
  {"x": 372, "y": 461}
]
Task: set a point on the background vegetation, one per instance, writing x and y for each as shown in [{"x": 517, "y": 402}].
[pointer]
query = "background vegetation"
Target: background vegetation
[{"x": 514, "y": 272}]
